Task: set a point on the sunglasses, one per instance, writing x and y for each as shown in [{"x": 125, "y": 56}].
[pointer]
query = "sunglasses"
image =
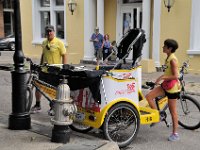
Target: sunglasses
[{"x": 48, "y": 31}]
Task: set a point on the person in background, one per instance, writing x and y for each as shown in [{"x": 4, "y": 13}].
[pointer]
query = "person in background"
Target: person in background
[
  {"x": 106, "y": 48},
  {"x": 170, "y": 86},
  {"x": 53, "y": 52},
  {"x": 97, "y": 40}
]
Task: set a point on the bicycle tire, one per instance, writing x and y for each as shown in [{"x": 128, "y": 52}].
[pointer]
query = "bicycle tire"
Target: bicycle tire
[
  {"x": 121, "y": 124},
  {"x": 78, "y": 127},
  {"x": 29, "y": 98},
  {"x": 188, "y": 112}
]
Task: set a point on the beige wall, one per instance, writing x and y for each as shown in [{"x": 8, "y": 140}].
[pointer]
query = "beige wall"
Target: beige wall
[
  {"x": 27, "y": 36},
  {"x": 75, "y": 32},
  {"x": 110, "y": 18},
  {"x": 176, "y": 24}
]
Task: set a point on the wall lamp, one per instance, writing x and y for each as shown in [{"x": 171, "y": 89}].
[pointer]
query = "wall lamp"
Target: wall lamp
[
  {"x": 169, "y": 4},
  {"x": 72, "y": 5}
]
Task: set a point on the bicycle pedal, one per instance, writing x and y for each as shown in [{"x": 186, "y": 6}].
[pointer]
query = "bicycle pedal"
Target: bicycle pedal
[{"x": 153, "y": 124}]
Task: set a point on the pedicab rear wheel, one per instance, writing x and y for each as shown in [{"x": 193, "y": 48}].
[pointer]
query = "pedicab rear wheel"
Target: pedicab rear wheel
[
  {"x": 121, "y": 124},
  {"x": 78, "y": 127}
]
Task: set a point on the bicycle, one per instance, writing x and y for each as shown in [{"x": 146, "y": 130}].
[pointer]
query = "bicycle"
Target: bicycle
[
  {"x": 47, "y": 90},
  {"x": 188, "y": 108}
]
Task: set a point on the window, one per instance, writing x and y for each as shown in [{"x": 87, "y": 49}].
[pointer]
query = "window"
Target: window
[
  {"x": 47, "y": 12},
  {"x": 195, "y": 29},
  {"x": 132, "y": 1},
  {"x": 8, "y": 14},
  {"x": 8, "y": 4}
]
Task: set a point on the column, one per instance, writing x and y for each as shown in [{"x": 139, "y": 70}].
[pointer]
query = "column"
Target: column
[
  {"x": 89, "y": 25},
  {"x": 146, "y": 6},
  {"x": 100, "y": 15},
  {"x": 156, "y": 32}
]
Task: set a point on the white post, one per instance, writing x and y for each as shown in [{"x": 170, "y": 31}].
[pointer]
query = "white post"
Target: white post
[
  {"x": 100, "y": 15},
  {"x": 156, "y": 33},
  {"x": 146, "y": 6},
  {"x": 89, "y": 25}
]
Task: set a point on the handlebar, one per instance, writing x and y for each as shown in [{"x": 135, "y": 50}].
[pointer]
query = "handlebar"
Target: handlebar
[
  {"x": 149, "y": 85},
  {"x": 183, "y": 68}
]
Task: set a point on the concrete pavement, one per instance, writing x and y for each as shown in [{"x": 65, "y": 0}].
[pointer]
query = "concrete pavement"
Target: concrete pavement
[{"x": 39, "y": 138}]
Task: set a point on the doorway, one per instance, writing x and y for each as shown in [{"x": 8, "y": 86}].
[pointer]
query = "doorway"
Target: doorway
[{"x": 129, "y": 17}]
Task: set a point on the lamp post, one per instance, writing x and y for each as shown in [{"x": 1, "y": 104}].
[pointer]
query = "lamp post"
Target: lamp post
[
  {"x": 72, "y": 5},
  {"x": 169, "y": 4},
  {"x": 19, "y": 119}
]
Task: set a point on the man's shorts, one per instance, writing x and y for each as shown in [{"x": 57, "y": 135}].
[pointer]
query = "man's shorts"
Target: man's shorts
[
  {"x": 99, "y": 53},
  {"x": 51, "y": 79}
]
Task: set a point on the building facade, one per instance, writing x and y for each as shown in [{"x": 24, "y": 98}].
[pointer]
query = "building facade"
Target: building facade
[{"x": 114, "y": 17}]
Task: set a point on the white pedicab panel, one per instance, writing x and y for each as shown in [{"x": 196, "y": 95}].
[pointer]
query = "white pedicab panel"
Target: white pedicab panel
[{"x": 114, "y": 89}]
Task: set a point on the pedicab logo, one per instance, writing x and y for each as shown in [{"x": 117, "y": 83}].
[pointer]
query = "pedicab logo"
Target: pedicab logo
[{"x": 130, "y": 89}]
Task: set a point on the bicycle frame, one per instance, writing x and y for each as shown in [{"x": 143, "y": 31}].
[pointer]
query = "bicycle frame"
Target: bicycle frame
[{"x": 47, "y": 90}]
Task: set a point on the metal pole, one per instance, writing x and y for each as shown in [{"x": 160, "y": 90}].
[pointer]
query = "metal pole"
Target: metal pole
[{"x": 19, "y": 119}]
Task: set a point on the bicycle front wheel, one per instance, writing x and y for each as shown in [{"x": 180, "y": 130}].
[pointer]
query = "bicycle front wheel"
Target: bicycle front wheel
[{"x": 188, "y": 110}]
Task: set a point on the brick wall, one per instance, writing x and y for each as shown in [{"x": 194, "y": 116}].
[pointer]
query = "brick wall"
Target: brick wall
[{"x": 1, "y": 21}]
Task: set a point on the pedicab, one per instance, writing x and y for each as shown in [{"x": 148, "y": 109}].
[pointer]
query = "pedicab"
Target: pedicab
[{"x": 110, "y": 97}]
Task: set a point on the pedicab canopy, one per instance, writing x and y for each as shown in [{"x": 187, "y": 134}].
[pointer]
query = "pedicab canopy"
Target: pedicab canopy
[
  {"x": 134, "y": 40},
  {"x": 82, "y": 78}
]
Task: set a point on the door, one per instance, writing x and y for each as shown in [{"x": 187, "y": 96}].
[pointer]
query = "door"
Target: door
[{"x": 131, "y": 17}]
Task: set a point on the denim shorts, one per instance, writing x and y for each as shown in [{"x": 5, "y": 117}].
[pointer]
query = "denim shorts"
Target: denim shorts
[{"x": 98, "y": 53}]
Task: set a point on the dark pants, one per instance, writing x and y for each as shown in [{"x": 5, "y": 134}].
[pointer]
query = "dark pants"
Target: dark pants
[{"x": 106, "y": 53}]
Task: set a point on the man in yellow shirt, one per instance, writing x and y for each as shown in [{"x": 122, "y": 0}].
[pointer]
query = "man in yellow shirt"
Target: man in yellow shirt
[{"x": 54, "y": 52}]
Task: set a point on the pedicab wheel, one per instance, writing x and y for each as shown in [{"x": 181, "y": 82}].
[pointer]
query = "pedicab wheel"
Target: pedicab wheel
[
  {"x": 121, "y": 124},
  {"x": 78, "y": 127},
  {"x": 29, "y": 98}
]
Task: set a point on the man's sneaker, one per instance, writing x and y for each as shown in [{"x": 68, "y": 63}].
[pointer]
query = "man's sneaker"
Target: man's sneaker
[
  {"x": 35, "y": 109},
  {"x": 173, "y": 137}
]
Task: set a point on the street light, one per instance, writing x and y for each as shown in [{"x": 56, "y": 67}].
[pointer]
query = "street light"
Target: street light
[
  {"x": 72, "y": 5},
  {"x": 169, "y": 4},
  {"x": 19, "y": 119}
]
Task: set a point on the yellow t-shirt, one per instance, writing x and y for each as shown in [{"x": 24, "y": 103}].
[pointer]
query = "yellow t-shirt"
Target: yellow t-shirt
[
  {"x": 53, "y": 51},
  {"x": 168, "y": 72}
]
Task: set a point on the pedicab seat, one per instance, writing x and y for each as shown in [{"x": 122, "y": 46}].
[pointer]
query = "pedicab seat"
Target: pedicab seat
[{"x": 80, "y": 78}]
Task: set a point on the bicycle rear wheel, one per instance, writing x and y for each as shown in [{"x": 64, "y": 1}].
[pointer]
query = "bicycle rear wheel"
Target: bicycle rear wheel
[
  {"x": 188, "y": 110},
  {"x": 29, "y": 98},
  {"x": 121, "y": 124},
  {"x": 78, "y": 127}
]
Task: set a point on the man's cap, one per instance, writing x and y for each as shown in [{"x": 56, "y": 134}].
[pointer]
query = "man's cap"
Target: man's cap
[
  {"x": 96, "y": 28},
  {"x": 49, "y": 27}
]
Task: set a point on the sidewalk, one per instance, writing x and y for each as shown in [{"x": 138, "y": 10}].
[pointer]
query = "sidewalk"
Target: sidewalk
[{"x": 39, "y": 138}]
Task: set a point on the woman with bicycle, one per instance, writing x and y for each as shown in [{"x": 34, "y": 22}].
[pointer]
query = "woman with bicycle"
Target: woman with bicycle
[{"x": 170, "y": 85}]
